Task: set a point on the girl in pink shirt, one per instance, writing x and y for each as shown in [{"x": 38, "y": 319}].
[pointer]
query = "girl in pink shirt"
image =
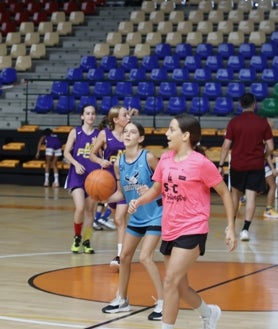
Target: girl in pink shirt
[{"x": 184, "y": 177}]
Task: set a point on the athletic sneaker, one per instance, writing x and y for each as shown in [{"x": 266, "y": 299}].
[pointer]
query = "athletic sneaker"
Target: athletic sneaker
[
  {"x": 87, "y": 249},
  {"x": 97, "y": 227},
  {"x": 46, "y": 184},
  {"x": 115, "y": 263},
  {"x": 76, "y": 246},
  {"x": 118, "y": 304},
  {"x": 210, "y": 322},
  {"x": 244, "y": 235},
  {"x": 55, "y": 184},
  {"x": 108, "y": 223},
  {"x": 156, "y": 315},
  {"x": 271, "y": 213}
]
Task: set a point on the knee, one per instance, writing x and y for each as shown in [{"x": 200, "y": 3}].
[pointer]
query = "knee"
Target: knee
[{"x": 145, "y": 259}]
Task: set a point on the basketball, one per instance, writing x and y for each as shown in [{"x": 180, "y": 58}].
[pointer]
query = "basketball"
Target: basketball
[{"x": 100, "y": 184}]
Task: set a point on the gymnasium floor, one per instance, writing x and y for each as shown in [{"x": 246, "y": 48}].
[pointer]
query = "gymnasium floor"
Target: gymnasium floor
[{"x": 44, "y": 285}]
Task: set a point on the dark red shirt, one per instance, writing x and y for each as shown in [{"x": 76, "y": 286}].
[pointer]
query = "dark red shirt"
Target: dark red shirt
[{"x": 248, "y": 133}]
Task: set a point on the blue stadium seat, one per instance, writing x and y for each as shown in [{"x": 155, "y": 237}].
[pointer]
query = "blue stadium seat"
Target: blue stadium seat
[
  {"x": 116, "y": 74},
  {"x": 154, "y": 105},
  {"x": 145, "y": 89},
  {"x": 259, "y": 90},
  {"x": 137, "y": 74},
  {"x": 268, "y": 49},
  {"x": 107, "y": 102},
  {"x": 123, "y": 89},
  {"x": 212, "y": 90},
  {"x": 159, "y": 74},
  {"x": 258, "y": 62},
  {"x": 214, "y": 62},
  {"x": 226, "y": 50},
  {"x": 235, "y": 62},
  {"x": 223, "y": 106},
  {"x": 95, "y": 74},
  {"x": 179, "y": 75},
  {"x": 247, "y": 50},
  {"x": 74, "y": 73},
  {"x": 235, "y": 89},
  {"x": 192, "y": 62},
  {"x": 59, "y": 88},
  {"x": 247, "y": 75},
  {"x": 270, "y": 76},
  {"x": 190, "y": 89},
  {"x": 274, "y": 37},
  {"x": 204, "y": 50},
  {"x": 171, "y": 62},
  {"x": 183, "y": 50},
  {"x": 167, "y": 89},
  {"x": 129, "y": 62},
  {"x": 150, "y": 62},
  {"x": 88, "y": 62},
  {"x": 81, "y": 88},
  {"x": 86, "y": 100},
  {"x": 102, "y": 88},
  {"x": 108, "y": 62},
  {"x": 199, "y": 106},
  {"x": 202, "y": 75},
  {"x": 44, "y": 104},
  {"x": 132, "y": 102},
  {"x": 162, "y": 50},
  {"x": 65, "y": 104},
  {"x": 8, "y": 75},
  {"x": 274, "y": 63},
  {"x": 176, "y": 105},
  {"x": 224, "y": 75}
]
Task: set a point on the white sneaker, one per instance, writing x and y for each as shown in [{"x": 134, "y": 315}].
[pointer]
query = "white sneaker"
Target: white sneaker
[
  {"x": 117, "y": 305},
  {"x": 156, "y": 315},
  {"x": 97, "y": 227},
  {"x": 211, "y": 321},
  {"x": 244, "y": 235},
  {"x": 108, "y": 223}
]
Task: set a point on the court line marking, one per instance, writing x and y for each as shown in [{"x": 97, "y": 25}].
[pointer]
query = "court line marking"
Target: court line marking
[{"x": 47, "y": 323}]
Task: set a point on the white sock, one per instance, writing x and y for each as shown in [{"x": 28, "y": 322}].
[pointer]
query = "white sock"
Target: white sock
[
  {"x": 56, "y": 178},
  {"x": 167, "y": 326},
  {"x": 203, "y": 310},
  {"x": 120, "y": 245}
]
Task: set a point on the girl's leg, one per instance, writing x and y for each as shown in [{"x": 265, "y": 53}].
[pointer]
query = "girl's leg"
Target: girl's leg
[
  {"x": 47, "y": 170},
  {"x": 90, "y": 206},
  {"x": 78, "y": 196},
  {"x": 177, "y": 266},
  {"x": 270, "y": 212},
  {"x": 56, "y": 171}
]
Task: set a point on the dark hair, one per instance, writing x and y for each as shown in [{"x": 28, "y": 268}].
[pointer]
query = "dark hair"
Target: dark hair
[
  {"x": 87, "y": 105},
  {"x": 189, "y": 123},
  {"x": 140, "y": 128},
  {"x": 247, "y": 100},
  {"x": 47, "y": 132},
  {"x": 104, "y": 123}
]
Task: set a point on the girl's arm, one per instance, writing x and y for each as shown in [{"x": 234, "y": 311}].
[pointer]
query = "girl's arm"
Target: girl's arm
[
  {"x": 225, "y": 195},
  {"x": 99, "y": 144},
  {"x": 41, "y": 141},
  {"x": 147, "y": 197},
  {"x": 67, "y": 153},
  {"x": 118, "y": 195}
]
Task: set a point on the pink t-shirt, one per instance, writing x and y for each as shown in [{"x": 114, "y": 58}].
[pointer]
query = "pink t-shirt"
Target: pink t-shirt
[{"x": 185, "y": 193}]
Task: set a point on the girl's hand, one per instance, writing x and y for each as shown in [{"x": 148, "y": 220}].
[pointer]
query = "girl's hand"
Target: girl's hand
[
  {"x": 79, "y": 169},
  {"x": 132, "y": 207},
  {"x": 230, "y": 239},
  {"x": 105, "y": 163}
]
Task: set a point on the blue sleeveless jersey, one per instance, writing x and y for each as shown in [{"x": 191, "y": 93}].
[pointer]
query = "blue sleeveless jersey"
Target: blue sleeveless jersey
[
  {"x": 133, "y": 175},
  {"x": 81, "y": 152}
]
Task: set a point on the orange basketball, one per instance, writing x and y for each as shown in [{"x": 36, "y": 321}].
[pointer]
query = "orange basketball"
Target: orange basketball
[{"x": 100, "y": 184}]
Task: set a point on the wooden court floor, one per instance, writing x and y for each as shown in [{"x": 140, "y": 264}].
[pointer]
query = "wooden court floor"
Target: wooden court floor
[{"x": 44, "y": 285}]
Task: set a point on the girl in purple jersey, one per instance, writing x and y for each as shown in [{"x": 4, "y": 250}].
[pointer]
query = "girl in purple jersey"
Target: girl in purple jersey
[
  {"x": 77, "y": 151},
  {"x": 53, "y": 150},
  {"x": 110, "y": 144}
]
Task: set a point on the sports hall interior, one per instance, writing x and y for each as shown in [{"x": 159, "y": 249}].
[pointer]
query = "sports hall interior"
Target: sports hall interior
[{"x": 163, "y": 58}]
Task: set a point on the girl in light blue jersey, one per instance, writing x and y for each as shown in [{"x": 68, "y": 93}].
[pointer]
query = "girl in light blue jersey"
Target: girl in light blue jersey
[{"x": 133, "y": 171}]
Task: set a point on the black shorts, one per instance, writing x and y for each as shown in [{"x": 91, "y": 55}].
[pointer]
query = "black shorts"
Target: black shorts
[
  {"x": 185, "y": 242},
  {"x": 253, "y": 180}
]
